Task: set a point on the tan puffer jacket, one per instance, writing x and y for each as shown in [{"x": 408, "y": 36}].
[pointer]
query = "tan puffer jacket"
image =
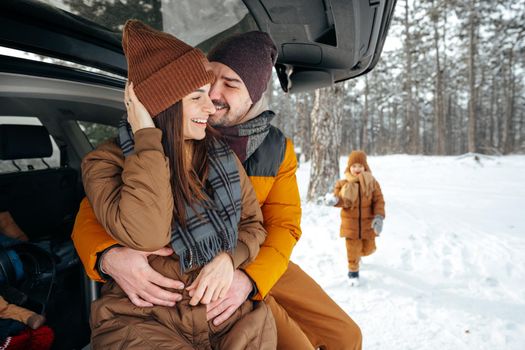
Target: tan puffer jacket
[
  {"x": 356, "y": 219},
  {"x": 132, "y": 199}
]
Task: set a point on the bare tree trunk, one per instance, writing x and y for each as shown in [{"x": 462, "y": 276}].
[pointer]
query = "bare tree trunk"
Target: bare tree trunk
[
  {"x": 492, "y": 125},
  {"x": 519, "y": 128},
  {"x": 472, "y": 103},
  {"x": 481, "y": 122},
  {"x": 447, "y": 116},
  {"x": 372, "y": 146},
  {"x": 304, "y": 126},
  {"x": 380, "y": 143},
  {"x": 393, "y": 129},
  {"x": 416, "y": 136},
  {"x": 450, "y": 113},
  {"x": 348, "y": 133},
  {"x": 439, "y": 107},
  {"x": 508, "y": 135},
  {"x": 326, "y": 137},
  {"x": 364, "y": 129},
  {"x": 500, "y": 123},
  {"x": 453, "y": 116},
  {"x": 410, "y": 121}
]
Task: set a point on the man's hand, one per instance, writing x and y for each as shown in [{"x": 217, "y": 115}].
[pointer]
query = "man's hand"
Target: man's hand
[
  {"x": 143, "y": 285},
  {"x": 223, "y": 308}
]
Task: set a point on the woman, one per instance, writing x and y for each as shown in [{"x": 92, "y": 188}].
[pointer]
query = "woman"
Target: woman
[{"x": 167, "y": 180}]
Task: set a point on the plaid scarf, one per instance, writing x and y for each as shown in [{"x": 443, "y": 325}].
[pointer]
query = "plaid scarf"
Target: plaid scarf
[
  {"x": 212, "y": 225},
  {"x": 245, "y": 138}
]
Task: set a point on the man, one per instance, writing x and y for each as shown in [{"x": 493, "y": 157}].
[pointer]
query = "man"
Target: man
[{"x": 306, "y": 318}]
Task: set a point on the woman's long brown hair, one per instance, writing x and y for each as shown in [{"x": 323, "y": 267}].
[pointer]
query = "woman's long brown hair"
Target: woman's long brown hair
[{"x": 187, "y": 180}]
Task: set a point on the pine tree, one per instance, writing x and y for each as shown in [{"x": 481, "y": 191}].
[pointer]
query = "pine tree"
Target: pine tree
[{"x": 326, "y": 137}]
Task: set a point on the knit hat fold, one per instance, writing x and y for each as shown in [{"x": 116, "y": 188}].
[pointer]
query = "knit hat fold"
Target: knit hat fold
[
  {"x": 168, "y": 85},
  {"x": 163, "y": 69}
]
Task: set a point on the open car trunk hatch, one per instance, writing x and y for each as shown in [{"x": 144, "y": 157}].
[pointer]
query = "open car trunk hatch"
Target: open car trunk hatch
[{"x": 320, "y": 42}]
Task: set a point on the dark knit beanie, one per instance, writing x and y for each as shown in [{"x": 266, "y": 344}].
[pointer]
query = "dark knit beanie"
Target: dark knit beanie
[
  {"x": 358, "y": 157},
  {"x": 251, "y": 55},
  {"x": 163, "y": 69}
]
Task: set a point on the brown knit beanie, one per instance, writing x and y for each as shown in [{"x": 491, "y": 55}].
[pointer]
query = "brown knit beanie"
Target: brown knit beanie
[
  {"x": 163, "y": 69},
  {"x": 357, "y": 157},
  {"x": 252, "y": 56}
]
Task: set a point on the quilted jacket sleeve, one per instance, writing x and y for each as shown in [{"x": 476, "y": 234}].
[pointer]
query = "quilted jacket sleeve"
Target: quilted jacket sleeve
[
  {"x": 131, "y": 196},
  {"x": 282, "y": 219}
]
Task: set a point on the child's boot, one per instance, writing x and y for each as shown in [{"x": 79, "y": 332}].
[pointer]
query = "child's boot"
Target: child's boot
[{"x": 353, "y": 277}]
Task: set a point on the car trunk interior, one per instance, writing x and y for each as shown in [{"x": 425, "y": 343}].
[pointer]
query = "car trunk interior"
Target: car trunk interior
[{"x": 43, "y": 201}]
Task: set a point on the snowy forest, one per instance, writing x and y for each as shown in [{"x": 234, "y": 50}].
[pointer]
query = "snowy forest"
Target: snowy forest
[{"x": 450, "y": 81}]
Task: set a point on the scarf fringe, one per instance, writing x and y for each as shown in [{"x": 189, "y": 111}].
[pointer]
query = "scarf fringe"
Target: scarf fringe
[{"x": 203, "y": 251}]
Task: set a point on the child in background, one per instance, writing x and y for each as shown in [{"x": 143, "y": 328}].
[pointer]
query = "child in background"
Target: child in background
[{"x": 362, "y": 211}]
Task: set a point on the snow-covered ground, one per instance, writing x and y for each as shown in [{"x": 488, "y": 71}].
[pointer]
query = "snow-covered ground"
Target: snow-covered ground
[{"x": 449, "y": 271}]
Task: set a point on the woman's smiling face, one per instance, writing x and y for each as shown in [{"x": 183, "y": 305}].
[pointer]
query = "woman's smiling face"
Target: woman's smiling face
[{"x": 196, "y": 109}]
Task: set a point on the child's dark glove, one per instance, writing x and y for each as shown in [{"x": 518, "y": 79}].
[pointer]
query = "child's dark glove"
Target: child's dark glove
[{"x": 377, "y": 224}]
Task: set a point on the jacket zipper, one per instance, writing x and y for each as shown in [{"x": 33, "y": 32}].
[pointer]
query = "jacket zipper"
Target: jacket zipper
[{"x": 359, "y": 195}]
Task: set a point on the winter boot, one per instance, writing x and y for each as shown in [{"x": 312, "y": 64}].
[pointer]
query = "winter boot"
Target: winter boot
[{"x": 353, "y": 277}]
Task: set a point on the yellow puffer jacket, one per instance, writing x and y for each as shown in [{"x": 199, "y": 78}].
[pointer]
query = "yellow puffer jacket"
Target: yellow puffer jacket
[{"x": 272, "y": 172}]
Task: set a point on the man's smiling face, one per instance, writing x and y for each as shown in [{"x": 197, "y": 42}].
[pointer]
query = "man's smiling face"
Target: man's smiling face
[{"x": 229, "y": 95}]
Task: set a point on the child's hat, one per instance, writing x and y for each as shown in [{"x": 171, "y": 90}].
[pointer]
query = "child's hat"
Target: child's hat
[
  {"x": 358, "y": 157},
  {"x": 163, "y": 69}
]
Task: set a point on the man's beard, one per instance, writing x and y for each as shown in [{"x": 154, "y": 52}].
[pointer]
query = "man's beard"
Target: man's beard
[
  {"x": 220, "y": 122},
  {"x": 227, "y": 119}
]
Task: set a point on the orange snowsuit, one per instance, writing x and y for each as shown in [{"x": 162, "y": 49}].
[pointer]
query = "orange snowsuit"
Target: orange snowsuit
[{"x": 356, "y": 218}]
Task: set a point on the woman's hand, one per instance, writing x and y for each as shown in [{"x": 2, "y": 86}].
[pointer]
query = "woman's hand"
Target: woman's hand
[
  {"x": 138, "y": 115},
  {"x": 213, "y": 282}
]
